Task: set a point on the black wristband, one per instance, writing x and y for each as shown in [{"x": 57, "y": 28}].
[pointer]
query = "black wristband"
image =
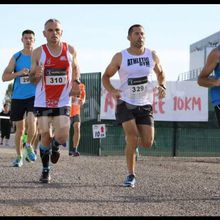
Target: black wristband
[
  {"x": 77, "y": 81},
  {"x": 161, "y": 85}
]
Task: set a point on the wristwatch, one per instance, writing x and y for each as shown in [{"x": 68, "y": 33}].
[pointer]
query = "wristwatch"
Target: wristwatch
[
  {"x": 77, "y": 81},
  {"x": 161, "y": 85}
]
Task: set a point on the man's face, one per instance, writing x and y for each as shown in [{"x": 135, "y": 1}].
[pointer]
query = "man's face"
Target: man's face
[
  {"x": 28, "y": 40},
  {"x": 137, "y": 37},
  {"x": 53, "y": 32},
  {"x": 6, "y": 108}
]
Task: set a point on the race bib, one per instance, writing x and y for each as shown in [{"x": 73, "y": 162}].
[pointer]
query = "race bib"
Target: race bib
[
  {"x": 24, "y": 79},
  {"x": 56, "y": 80},
  {"x": 137, "y": 87},
  {"x": 55, "y": 76}
]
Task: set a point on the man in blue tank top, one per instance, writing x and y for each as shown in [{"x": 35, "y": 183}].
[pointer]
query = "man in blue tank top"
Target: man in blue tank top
[
  {"x": 205, "y": 78},
  {"x": 23, "y": 94}
]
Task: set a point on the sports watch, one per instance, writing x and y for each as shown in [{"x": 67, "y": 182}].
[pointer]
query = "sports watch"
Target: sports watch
[{"x": 77, "y": 81}]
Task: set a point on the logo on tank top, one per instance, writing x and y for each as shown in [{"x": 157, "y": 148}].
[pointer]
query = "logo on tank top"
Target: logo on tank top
[
  {"x": 142, "y": 61},
  {"x": 49, "y": 61},
  {"x": 62, "y": 58}
]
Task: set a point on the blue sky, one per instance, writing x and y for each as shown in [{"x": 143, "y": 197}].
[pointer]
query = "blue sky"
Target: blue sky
[{"x": 99, "y": 31}]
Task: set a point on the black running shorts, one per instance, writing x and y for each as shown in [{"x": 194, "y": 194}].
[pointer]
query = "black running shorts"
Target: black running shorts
[
  {"x": 143, "y": 115},
  {"x": 21, "y": 106},
  {"x": 217, "y": 113},
  {"x": 39, "y": 111},
  {"x": 75, "y": 118}
]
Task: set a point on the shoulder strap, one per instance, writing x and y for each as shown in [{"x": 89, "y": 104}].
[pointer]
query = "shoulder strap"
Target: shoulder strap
[
  {"x": 16, "y": 59},
  {"x": 19, "y": 55}
]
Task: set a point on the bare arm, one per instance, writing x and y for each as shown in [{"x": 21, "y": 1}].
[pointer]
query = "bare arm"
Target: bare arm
[
  {"x": 110, "y": 71},
  {"x": 9, "y": 73},
  {"x": 75, "y": 65},
  {"x": 212, "y": 61},
  {"x": 75, "y": 72},
  {"x": 84, "y": 95},
  {"x": 160, "y": 75},
  {"x": 37, "y": 69}
]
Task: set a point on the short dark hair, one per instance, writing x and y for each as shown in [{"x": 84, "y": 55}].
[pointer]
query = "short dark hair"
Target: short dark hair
[
  {"x": 130, "y": 30},
  {"x": 27, "y": 32},
  {"x": 51, "y": 20}
]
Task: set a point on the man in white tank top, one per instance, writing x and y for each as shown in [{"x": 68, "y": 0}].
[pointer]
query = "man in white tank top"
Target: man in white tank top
[
  {"x": 135, "y": 66},
  {"x": 55, "y": 71}
]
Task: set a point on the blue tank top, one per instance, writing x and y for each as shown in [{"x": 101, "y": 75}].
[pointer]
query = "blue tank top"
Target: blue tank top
[
  {"x": 22, "y": 87},
  {"x": 215, "y": 91}
]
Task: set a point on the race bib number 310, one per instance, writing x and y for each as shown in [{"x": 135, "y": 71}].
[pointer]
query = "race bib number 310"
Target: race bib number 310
[
  {"x": 56, "y": 80},
  {"x": 55, "y": 76}
]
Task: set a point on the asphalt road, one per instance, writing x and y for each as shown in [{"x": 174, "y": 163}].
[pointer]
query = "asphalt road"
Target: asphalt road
[{"x": 92, "y": 186}]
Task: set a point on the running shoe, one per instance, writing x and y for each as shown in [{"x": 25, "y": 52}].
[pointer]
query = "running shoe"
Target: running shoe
[
  {"x": 55, "y": 155},
  {"x": 27, "y": 159},
  {"x": 30, "y": 153},
  {"x": 45, "y": 176},
  {"x": 130, "y": 181},
  {"x": 25, "y": 154},
  {"x": 18, "y": 162},
  {"x": 76, "y": 154}
]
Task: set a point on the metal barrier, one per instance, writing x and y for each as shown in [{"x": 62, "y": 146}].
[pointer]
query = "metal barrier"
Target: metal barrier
[{"x": 171, "y": 138}]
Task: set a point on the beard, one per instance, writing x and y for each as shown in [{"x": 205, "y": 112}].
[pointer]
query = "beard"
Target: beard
[{"x": 138, "y": 44}]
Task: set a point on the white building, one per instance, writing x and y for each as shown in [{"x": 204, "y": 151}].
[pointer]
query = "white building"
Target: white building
[{"x": 198, "y": 55}]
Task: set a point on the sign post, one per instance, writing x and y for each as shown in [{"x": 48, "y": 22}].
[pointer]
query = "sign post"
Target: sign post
[{"x": 99, "y": 131}]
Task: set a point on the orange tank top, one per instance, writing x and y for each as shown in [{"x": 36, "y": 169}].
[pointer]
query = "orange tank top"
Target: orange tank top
[{"x": 75, "y": 106}]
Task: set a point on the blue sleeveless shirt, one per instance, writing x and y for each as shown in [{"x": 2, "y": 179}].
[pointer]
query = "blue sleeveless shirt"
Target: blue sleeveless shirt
[
  {"x": 215, "y": 91},
  {"x": 22, "y": 87}
]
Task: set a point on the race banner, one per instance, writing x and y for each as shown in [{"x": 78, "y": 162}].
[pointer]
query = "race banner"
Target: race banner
[{"x": 184, "y": 101}]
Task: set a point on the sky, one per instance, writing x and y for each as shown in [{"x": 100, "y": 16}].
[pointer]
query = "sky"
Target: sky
[{"x": 98, "y": 31}]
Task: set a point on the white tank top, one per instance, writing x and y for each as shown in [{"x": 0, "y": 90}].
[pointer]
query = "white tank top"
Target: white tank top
[{"x": 135, "y": 75}]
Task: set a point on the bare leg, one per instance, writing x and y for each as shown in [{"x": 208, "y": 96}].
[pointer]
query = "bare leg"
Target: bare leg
[
  {"x": 131, "y": 133},
  {"x": 31, "y": 127},
  {"x": 76, "y": 138},
  {"x": 19, "y": 132}
]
